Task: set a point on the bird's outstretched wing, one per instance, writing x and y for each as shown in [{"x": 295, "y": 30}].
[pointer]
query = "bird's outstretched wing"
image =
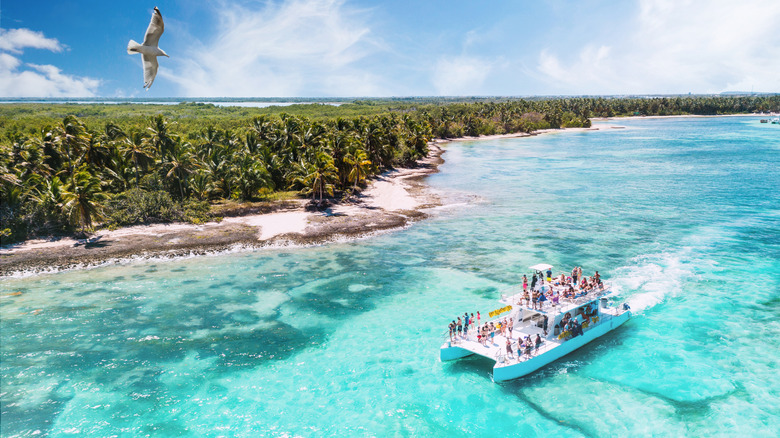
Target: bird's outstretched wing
[
  {"x": 155, "y": 29},
  {"x": 150, "y": 70}
]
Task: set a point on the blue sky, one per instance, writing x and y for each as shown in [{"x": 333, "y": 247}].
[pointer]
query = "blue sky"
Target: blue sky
[{"x": 322, "y": 48}]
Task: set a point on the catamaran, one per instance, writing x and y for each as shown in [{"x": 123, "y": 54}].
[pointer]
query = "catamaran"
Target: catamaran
[{"x": 564, "y": 321}]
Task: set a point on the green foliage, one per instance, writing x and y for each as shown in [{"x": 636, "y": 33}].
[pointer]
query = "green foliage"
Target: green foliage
[
  {"x": 196, "y": 212},
  {"x": 70, "y": 166},
  {"x": 139, "y": 206}
]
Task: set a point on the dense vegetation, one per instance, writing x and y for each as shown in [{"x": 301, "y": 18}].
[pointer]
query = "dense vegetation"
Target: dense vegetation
[{"x": 66, "y": 167}]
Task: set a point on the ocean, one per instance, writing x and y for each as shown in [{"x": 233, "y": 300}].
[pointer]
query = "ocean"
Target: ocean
[{"x": 681, "y": 215}]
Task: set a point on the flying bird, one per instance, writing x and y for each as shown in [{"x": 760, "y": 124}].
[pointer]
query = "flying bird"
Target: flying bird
[{"x": 149, "y": 50}]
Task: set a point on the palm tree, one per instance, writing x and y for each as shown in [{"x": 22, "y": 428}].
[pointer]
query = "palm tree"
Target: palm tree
[
  {"x": 200, "y": 184},
  {"x": 359, "y": 166},
  {"x": 209, "y": 139},
  {"x": 263, "y": 127},
  {"x": 32, "y": 160},
  {"x": 181, "y": 163},
  {"x": 317, "y": 176},
  {"x": 82, "y": 199},
  {"x": 250, "y": 176},
  {"x": 72, "y": 138},
  {"x": 339, "y": 145},
  {"x": 136, "y": 149},
  {"x": 160, "y": 139},
  {"x": 220, "y": 169}
]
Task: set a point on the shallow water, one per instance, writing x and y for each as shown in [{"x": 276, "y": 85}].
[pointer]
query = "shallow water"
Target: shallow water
[{"x": 680, "y": 214}]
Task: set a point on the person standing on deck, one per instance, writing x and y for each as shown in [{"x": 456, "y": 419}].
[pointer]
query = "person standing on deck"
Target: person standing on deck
[
  {"x": 525, "y": 283},
  {"x": 509, "y": 348},
  {"x": 533, "y": 282}
]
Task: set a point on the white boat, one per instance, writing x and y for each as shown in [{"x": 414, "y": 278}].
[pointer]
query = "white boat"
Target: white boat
[{"x": 592, "y": 311}]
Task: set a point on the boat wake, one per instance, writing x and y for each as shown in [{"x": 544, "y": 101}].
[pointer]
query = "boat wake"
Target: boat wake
[{"x": 651, "y": 278}]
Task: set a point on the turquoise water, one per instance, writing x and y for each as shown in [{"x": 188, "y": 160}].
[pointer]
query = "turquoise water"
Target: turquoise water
[{"x": 682, "y": 215}]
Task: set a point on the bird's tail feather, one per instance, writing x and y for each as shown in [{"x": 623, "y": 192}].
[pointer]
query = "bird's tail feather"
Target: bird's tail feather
[{"x": 132, "y": 47}]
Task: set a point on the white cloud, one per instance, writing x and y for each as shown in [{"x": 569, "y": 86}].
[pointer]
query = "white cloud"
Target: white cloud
[
  {"x": 460, "y": 75},
  {"x": 14, "y": 40},
  {"x": 302, "y": 47},
  {"x": 32, "y": 80},
  {"x": 676, "y": 47}
]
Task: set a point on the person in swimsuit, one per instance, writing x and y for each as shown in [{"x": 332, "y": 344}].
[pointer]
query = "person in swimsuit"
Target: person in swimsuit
[
  {"x": 535, "y": 299},
  {"x": 525, "y": 283},
  {"x": 509, "y": 348},
  {"x": 511, "y": 324}
]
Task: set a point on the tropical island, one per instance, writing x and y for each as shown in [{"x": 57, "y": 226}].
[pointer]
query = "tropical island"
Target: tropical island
[{"x": 69, "y": 171}]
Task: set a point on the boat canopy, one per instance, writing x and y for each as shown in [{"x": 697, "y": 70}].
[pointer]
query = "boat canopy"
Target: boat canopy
[{"x": 541, "y": 267}]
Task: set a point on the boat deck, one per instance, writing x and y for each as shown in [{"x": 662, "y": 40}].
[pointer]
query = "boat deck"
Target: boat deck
[
  {"x": 514, "y": 298},
  {"x": 496, "y": 350}
]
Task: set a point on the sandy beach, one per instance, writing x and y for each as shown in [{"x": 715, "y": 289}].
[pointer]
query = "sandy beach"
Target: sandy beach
[{"x": 392, "y": 200}]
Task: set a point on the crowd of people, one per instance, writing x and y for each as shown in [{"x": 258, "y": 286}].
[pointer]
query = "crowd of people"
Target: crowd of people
[
  {"x": 545, "y": 288},
  {"x": 459, "y": 328},
  {"x": 525, "y": 346}
]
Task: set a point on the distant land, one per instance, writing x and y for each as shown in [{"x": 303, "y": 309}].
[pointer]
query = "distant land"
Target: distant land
[{"x": 353, "y": 99}]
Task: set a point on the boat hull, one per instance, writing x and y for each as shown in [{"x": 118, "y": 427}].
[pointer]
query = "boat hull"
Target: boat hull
[
  {"x": 452, "y": 352},
  {"x": 503, "y": 372}
]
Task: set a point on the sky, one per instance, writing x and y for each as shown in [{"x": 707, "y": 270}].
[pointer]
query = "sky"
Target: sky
[{"x": 352, "y": 48}]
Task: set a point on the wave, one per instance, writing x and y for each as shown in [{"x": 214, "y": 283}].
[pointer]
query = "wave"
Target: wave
[{"x": 652, "y": 278}]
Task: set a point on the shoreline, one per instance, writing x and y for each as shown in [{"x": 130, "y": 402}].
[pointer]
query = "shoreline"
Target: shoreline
[
  {"x": 392, "y": 201},
  {"x": 682, "y": 116}
]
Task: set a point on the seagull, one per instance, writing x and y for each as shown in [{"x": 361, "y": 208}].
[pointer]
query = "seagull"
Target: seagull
[{"x": 149, "y": 50}]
